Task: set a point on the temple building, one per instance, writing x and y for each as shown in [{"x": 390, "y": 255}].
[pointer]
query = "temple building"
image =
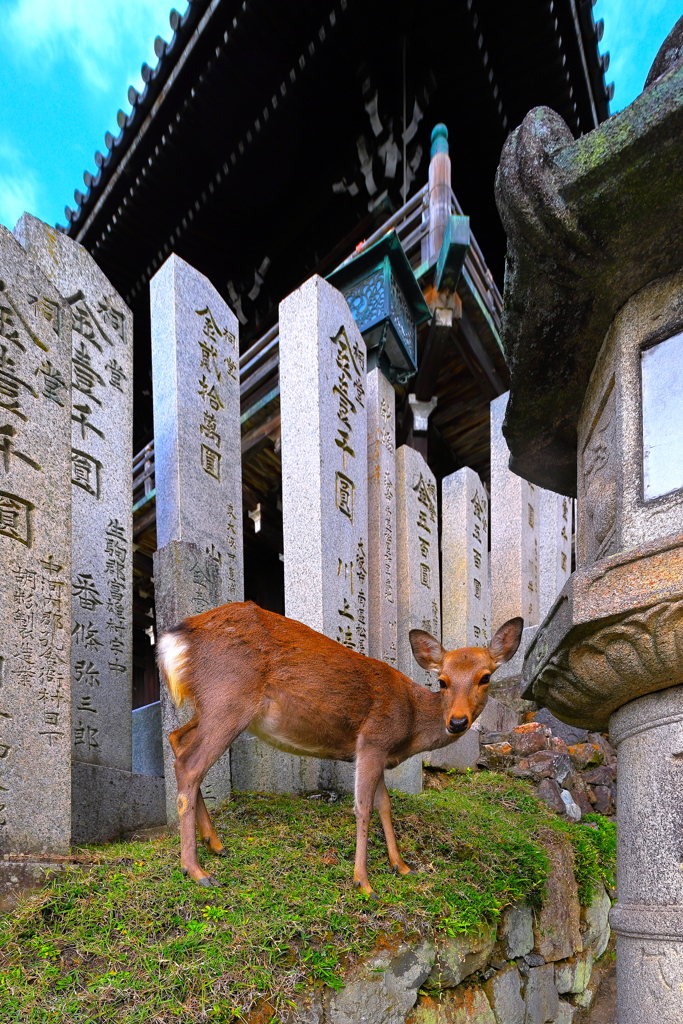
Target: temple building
[{"x": 277, "y": 141}]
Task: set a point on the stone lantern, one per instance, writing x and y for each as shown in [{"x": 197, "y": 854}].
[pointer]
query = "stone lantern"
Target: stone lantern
[
  {"x": 593, "y": 332},
  {"x": 387, "y": 304}
]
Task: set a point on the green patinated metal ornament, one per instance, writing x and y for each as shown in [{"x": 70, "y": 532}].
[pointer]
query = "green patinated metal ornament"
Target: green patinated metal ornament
[{"x": 387, "y": 304}]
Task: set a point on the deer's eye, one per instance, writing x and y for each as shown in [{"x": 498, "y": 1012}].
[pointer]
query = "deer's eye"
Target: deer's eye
[
  {"x": 485, "y": 680},
  {"x": 443, "y": 684}
]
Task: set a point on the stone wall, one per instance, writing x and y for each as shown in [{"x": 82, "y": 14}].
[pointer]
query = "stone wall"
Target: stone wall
[{"x": 534, "y": 967}]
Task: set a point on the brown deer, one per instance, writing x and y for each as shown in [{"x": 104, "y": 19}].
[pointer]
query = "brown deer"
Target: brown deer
[{"x": 246, "y": 668}]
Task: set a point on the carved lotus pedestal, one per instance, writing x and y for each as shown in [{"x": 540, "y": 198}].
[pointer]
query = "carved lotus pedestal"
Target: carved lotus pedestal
[{"x": 593, "y": 333}]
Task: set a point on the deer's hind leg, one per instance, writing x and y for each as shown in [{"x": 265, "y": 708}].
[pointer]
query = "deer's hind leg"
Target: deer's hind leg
[{"x": 178, "y": 739}]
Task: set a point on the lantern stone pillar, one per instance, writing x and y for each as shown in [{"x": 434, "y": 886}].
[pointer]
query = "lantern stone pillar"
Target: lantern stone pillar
[{"x": 593, "y": 332}]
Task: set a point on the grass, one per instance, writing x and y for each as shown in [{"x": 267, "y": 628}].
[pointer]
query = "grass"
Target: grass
[{"x": 130, "y": 940}]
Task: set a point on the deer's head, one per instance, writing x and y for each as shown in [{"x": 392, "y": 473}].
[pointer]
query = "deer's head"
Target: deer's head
[{"x": 464, "y": 674}]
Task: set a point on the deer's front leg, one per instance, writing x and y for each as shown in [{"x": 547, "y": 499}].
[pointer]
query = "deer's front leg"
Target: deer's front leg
[
  {"x": 369, "y": 768},
  {"x": 383, "y": 805}
]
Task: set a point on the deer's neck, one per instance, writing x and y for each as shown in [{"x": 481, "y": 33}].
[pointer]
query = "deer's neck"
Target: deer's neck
[{"x": 430, "y": 725}]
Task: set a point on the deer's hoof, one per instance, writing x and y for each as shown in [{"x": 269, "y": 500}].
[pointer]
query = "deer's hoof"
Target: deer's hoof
[
  {"x": 183, "y": 872},
  {"x": 208, "y": 882},
  {"x": 220, "y": 853}
]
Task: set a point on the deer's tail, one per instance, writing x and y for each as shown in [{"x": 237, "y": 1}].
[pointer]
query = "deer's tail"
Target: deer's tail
[{"x": 173, "y": 649}]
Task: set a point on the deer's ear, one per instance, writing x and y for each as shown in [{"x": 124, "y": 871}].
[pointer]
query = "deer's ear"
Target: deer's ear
[
  {"x": 504, "y": 644},
  {"x": 429, "y": 653}
]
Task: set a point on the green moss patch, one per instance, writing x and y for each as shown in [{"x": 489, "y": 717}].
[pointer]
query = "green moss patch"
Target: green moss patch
[{"x": 130, "y": 940}]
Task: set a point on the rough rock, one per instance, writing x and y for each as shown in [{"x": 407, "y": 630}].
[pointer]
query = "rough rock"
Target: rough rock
[
  {"x": 503, "y": 993},
  {"x": 516, "y": 930},
  {"x": 584, "y": 1000},
  {"x": 586, "y": 755},
  {"x": 609, "y": 753},
  {"x": 540, "y": 997},
  {"x": 603, "y": 800},
  {"x": 556, "y": 929},
  {"x": 467, "y": 1004},
  {"x": 459, "y": 956},
  {"x": 566, "y": 1013},
  {"x": 601, "y": 776},
  {"x": 530, "y": 737},
  {"x": 572, "y": 809},
  {"x": 384, "y": 989},
  {"x": 595, "y": 922},
  {"x": 569, "y": 733},
  {"x": 572, "y": 976},
  {"x": 545, "y": 764},
  {"x": 550, "y": 793}
]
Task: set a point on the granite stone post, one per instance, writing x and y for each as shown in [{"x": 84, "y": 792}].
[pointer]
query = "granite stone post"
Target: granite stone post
[
  {"x": 648, "y": 918},
  {"x": 419, "y": 591},
  {"x": 515, "y": 514},
  {"x": 323, "y": 400},
  {"x": 382, "y": 526},
  {"x": 102, "y": 521},
  {"x": 466, "y": 601},
  {"x": 555, "y": 547},
  {"x": 198, "y": 465},
  {"x": 35, "y": 557}
]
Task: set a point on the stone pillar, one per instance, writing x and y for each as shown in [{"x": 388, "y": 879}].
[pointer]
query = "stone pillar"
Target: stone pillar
[
  {"x": 323, "y": 398},
  {"x": 515, "y": 513},
  {"x": 35, "y": 557},
  {"x": 382, "y": 587},
  {"x": 555, "y": 547},
  {"x": 648, "y": 918},
  {"x": 419, "y": 596},
  {"x": 102, "y": 520},
  {"x": 382, "y": 527},
  {"x": 198, "y": 465},
  {"x": 466, "y": 605}
]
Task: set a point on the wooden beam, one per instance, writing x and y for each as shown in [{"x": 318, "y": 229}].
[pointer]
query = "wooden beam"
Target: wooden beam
[
  {"x": 257, "y": 437},
  {"x": 474, "y": 352}
]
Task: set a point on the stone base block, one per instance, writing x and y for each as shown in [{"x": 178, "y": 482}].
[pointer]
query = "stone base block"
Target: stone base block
[
  {"x": 108, "y": 802},
  {"x": 148, "y": 754},
  {"x": 497, "y": 717},
  {"x": 461, "y": 755},
  {"x": 20, "y": 876},
  {"x": 256, "y": 767},
  {"x": 407, "y": 777}
]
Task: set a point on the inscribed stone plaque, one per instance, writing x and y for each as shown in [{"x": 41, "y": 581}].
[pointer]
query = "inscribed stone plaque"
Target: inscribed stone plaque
[
  {"x": 323, "y": 401},
  {"x": 198, "y": 469},
  {"x": 102, "y": 521},
  {"x": 662, "y": 381},
  {"x": 382, "y": 595},
  {"x": 35, "y": 557},
  {"x": 382, "y": 584},
  {"x": 419, "y": 604},
  {"x": 466, "y": 607},
  {"x": 555, "y": 547},
  {"x": 514, "y": 533}
]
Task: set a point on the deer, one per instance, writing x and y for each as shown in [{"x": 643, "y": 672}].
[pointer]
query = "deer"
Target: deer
[{"x": 247, "y": 668}]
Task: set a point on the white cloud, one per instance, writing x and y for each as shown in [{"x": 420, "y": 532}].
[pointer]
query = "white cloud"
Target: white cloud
[
  {"x": 93, "y": 35},
  {"x": 19, "y": 188}
]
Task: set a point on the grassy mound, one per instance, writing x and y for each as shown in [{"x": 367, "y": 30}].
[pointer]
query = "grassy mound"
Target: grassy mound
[{"x": 130, "y": 940}]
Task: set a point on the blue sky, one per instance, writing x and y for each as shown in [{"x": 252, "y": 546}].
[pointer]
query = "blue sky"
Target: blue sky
[{"x": 65, "y": 68}]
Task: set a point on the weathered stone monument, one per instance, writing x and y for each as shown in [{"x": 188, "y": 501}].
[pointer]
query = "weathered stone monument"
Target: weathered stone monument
[
  {"x": 323, "y": 396},
  {"x": 35, "y": 557},
  {"x": 466, "y": 602},
  {"x": 555, "y": 547},
  {"x": 382, "y": 562},
  {"x": 515, "y": 516},
  {"x": 199, "y": 561},
  {"x": 419, "y": 577},
  {"x": 592, "y": 331},
  {"x": 105, "y": 798}
]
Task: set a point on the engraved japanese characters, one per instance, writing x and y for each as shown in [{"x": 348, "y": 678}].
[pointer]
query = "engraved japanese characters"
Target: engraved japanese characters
[
  {"x": 101, "y": 454},
  {"x": 35, "y": 549}
]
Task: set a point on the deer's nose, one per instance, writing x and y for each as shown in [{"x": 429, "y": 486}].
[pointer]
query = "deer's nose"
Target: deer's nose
[{"x": 457, "y": 724}]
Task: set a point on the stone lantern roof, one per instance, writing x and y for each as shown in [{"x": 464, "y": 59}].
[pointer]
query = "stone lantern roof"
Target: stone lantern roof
[{"x": 589, "y": 222}]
